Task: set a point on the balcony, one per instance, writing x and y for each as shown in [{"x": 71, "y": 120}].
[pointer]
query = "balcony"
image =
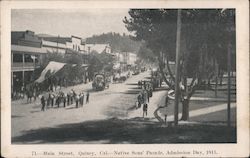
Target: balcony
[{"x": 18, "y": 66}]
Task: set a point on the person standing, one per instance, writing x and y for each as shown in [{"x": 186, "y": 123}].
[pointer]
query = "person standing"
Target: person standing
[
  {"x": 145, "y": 109},
  {"x": 68, "y": 98},
  {"x": 43, "y": 103},
  {"x": 29, "y": 95},
  {"x": 64, "y": 99},
  {"x": 148, "y": 95},
  {"x": 87, "y": 98},
  {"x": 80, "y": 99},
  {"x": 77, "y": 100},
  {"x": 58, "y": 100},
  {"x": 52, "y": 96},
  {"x": 145, "y": 96}
]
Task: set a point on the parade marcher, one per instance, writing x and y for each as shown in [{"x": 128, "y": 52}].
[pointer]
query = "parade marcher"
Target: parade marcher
[
  {"x": 64, "y": 99},
  {"x": 29, "y": 95},
  {"x": 80, "y": 99},
  {"x": 68, "y": 98},
  {"x": 72, "y": 93},
  {"x": 43, "y": 103},
  {"x": 77, "y": 100},
  {"x": 87, "y": 97},
  {"x": 145, "y": 109},
  {"x": 52, "y": 96},
  {"x": 34, "y": 93},
  {"x": 58, "y": 100},
  {"x": 48, "y": 99}
]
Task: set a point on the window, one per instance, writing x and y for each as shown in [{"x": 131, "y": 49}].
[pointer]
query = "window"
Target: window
[
  {"x": 17, "y": 57},
  {"x": 27, "y": 58}
]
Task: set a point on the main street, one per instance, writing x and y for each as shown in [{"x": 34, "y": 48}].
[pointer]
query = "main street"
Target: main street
[
  {"x": 110, "y": 114},
  {"x": 116, "y": 102}
]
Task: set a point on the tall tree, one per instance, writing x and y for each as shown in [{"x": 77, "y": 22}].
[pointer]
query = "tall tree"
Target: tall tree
[{"x": 204, "y": 35}]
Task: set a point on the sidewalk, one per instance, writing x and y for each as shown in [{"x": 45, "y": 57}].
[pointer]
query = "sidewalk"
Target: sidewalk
[{"x": 215, "y": 110}]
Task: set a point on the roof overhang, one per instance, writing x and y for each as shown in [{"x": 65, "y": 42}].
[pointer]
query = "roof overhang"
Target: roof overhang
[{"x": 27, "y": 49}]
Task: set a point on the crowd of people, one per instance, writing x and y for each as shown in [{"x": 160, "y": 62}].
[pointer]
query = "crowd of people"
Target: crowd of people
[
  {"x": 144, "y": 95},
  {"x": 66, "y": 99}
]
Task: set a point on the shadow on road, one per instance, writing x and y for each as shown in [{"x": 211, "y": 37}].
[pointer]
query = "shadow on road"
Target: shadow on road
[
  {"x": 134, "y": 131},
  {"x": 132, "y": 84}
]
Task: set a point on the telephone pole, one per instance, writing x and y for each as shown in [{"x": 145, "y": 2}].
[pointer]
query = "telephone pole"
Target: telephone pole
[{"x": 177, "y": 63}]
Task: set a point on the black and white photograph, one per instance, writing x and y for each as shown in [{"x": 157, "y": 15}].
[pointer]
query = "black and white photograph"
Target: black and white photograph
[{"x": 128, "y": 75}]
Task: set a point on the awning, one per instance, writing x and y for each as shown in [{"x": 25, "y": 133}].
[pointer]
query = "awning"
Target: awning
[{"x": 26, "y": 49}]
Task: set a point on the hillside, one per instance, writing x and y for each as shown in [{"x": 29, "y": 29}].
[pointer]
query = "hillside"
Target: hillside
[{"x": 118, "y": 43}]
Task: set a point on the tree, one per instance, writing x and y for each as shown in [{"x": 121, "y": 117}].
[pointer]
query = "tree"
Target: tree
[
  {"x": 100, "y": 62},
  {"x": 204, "y": 35}
]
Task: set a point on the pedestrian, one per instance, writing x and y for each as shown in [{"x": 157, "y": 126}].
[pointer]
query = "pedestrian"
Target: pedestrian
[
  {"x": 139, "y": 84},
  {"x": 43, "y": 103},
  {"x": 139, "y": 98},
  {"x": 145, "y": 109},
  {"x": 87, "y": 97},
  {"x": 150, "y": 91},
  {"x": 145, "y": 96},
  {"x": 147, "y": 91}
]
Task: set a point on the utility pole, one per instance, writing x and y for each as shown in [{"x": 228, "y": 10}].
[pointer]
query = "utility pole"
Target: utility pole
[{"x": 177, "y": 63}]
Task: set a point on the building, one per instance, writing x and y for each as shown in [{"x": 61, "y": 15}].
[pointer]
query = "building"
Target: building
[
  {"x": 99, "y": 48},
  {"x": 27, "y": 55},
  {"x": 128, "y": 58},
  {"x": 64, "y": 44},
  {"x": 28, "y": 52},
  {"x": 124, "y": 60}
]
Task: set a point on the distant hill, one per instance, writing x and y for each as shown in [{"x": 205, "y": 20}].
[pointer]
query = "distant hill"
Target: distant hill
[{"x": 118, "y": 43}]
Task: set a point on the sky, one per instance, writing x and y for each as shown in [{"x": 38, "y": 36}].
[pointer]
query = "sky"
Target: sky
[{"x": 67, "y": 22}]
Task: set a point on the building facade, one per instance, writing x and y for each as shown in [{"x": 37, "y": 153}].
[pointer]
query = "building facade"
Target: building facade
[
  {"x": 98, "y": 48},
  {"x": 27, "y": 55}
]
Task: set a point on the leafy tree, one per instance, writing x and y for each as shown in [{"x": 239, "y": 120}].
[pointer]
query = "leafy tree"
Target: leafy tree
[
  {"x": 118, "y": 43},
  {"x": 205, "y": 37},
  {"x": 100, "y": 62}
]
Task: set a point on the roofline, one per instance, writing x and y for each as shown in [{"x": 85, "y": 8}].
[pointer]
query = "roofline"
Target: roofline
[{"x": 76, "y": 37}]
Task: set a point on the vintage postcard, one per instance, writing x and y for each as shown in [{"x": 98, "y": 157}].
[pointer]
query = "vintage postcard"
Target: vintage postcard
[{"x": 164, "y": 78}]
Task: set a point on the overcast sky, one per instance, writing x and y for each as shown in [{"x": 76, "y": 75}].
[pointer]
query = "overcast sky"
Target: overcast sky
[{"x": 82, "y": 23}]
